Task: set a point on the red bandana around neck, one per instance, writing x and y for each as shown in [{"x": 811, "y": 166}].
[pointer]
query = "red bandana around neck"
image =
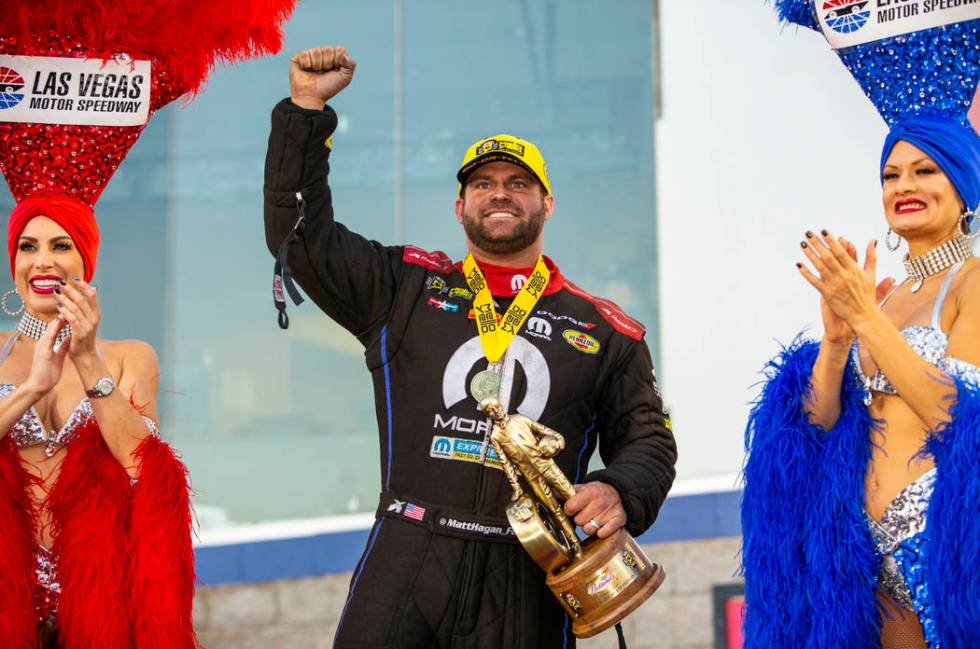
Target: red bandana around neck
[{"x": 505, "y": 281}]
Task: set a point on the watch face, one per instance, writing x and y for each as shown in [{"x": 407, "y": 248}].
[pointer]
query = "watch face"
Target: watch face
[{"x": 104, "y": 386}]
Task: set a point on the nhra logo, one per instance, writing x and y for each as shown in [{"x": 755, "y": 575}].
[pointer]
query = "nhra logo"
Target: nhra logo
[
  {"x": 11, "y": 85},
  {"x": 846, "y": 16}
]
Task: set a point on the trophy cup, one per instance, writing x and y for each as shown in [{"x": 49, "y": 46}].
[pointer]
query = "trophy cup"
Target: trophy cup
[{"x": 598, "y": 581}]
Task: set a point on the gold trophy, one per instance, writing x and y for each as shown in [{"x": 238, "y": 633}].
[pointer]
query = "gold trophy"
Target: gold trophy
[{"x": 598, "y": 581}]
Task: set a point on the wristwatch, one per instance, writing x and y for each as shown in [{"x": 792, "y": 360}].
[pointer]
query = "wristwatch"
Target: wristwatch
[{"x": 103, "y": 388}]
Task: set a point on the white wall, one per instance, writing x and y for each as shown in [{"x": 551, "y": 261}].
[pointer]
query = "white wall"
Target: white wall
[{"x": 764, "y": 135}]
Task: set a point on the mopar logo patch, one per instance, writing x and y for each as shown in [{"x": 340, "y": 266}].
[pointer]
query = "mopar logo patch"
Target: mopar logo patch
[{"x": 466, "y": 450}]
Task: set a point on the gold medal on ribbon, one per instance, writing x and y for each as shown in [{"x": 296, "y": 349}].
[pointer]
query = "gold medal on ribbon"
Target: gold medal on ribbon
[
  {"x": 496, "y": 336},
  {"x": 486, "y": 383}
]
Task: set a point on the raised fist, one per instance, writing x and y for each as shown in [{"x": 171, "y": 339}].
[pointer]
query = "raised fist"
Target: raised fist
[{"x": 316, "y": 75}]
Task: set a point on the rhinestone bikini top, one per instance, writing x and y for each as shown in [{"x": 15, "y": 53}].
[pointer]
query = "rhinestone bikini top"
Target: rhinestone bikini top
[
  {"x": 929, "y": 342},
  {"x": 29, "y": 430}
]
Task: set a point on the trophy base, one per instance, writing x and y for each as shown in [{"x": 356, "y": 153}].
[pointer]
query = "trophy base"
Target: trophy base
[{"x": 613, "y": 577}]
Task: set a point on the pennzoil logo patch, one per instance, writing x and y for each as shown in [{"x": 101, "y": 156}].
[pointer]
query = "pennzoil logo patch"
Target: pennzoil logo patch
[{"x": 581, "y": 341}]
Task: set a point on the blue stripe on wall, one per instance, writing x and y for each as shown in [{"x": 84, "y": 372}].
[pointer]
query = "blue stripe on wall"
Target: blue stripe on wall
[
  {"x": 280, "y": 559},
  {"x": 682, "y": 518},
  {"x": 698, "y": 516}
]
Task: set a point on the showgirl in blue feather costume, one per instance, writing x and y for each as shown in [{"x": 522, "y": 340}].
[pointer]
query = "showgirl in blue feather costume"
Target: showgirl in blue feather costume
[{"x": 861, "y": 509}]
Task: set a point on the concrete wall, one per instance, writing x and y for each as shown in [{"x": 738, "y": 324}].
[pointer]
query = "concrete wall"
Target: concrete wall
[{"x": 303, "y": 613}]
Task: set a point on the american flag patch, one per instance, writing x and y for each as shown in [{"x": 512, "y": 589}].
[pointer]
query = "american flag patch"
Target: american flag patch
[{"x": 415, "y": 512}]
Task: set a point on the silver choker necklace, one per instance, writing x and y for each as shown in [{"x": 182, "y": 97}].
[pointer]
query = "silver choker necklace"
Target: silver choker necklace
[
  {"x": 937, "y": 260},
  {"x": 33, "y": 327}
]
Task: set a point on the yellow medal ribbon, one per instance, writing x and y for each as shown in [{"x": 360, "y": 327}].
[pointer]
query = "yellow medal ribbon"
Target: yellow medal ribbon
[{"x": 494, "y": 336}]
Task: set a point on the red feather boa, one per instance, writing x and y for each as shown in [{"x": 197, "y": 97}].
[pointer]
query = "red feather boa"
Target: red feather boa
[{"x": 125, "y": 560}]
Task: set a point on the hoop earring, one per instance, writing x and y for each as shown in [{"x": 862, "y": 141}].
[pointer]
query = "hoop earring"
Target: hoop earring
[
  {"x": 6, "y": 309},
  {"x": 888, "y": 240},
  {"x": 964, "y": 224}
]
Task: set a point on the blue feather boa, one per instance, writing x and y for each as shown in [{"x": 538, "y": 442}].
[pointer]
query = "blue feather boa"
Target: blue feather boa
[
  {"x": 953, "y": 524},
  {"x": 808, "y": 558}
]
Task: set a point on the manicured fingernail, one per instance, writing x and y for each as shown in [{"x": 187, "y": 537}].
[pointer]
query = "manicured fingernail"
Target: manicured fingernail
[
  {"x": 809, "y": 235},
  {"x": 799, "y": 265},
  {"x": 62, "y": 282},
  {"x": 876, "y": 243},
  {"x": 824, "y": 232},
  {"x": 802, "y": 244},
  {"x": 58, "y": 304},
  {"x": 58, "y": 291}
]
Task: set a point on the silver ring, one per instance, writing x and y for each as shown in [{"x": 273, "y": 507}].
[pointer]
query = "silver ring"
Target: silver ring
[{"x": 594, "y": 523}]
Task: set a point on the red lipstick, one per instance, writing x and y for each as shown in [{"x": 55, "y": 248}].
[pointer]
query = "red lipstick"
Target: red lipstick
[
  {"x": 909, "y": 206},
  {"x": 44, "y": 284}
]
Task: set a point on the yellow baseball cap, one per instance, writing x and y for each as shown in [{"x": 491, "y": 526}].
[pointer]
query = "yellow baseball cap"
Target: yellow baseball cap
[{"x": 504, "y": 148}]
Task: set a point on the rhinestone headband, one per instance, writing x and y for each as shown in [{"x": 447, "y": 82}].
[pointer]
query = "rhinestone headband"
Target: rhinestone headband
[
  {"x": 33, "y": 327},
  {"x": 937, "y": 260}
]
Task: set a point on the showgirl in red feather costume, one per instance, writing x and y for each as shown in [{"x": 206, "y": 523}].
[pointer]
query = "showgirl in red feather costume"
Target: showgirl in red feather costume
[{"x": 95, "y": 519}]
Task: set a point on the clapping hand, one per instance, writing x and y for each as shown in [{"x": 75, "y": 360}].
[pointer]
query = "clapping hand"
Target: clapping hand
[
  {"x": 847, "y": 290},
  {"x": 49, "y": 360},
  {"x": 78, "y": 305}
]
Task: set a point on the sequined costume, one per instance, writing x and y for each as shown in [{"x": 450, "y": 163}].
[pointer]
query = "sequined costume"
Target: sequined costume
[
  {"x": 832, "y": 550},
  {"x": 929, "y": 342},
  {"x": 118, "y": 543},
  {"x": 901, "y": 544},
  {"x": 900, "y": 536}
]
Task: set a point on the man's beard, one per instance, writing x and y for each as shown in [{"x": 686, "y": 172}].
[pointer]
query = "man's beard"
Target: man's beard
[{"x": 526, "y": 231}]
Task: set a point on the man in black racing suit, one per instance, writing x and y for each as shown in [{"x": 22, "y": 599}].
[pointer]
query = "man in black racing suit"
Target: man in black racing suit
[{"x": 442, "y": 567}]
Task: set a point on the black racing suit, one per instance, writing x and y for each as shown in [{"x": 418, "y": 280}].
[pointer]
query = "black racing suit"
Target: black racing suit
[{"x": 441, "y": 568}]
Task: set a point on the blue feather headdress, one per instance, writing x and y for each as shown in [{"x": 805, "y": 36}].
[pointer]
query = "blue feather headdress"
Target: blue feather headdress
[{"x": 909, "y": 61}]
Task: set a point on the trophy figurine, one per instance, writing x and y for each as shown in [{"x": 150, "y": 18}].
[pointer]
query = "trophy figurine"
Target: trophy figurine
[{"x": 598, "y": 581}]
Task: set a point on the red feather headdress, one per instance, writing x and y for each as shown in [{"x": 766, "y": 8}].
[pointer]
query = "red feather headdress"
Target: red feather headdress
[{"x": 183, "y": 39}]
